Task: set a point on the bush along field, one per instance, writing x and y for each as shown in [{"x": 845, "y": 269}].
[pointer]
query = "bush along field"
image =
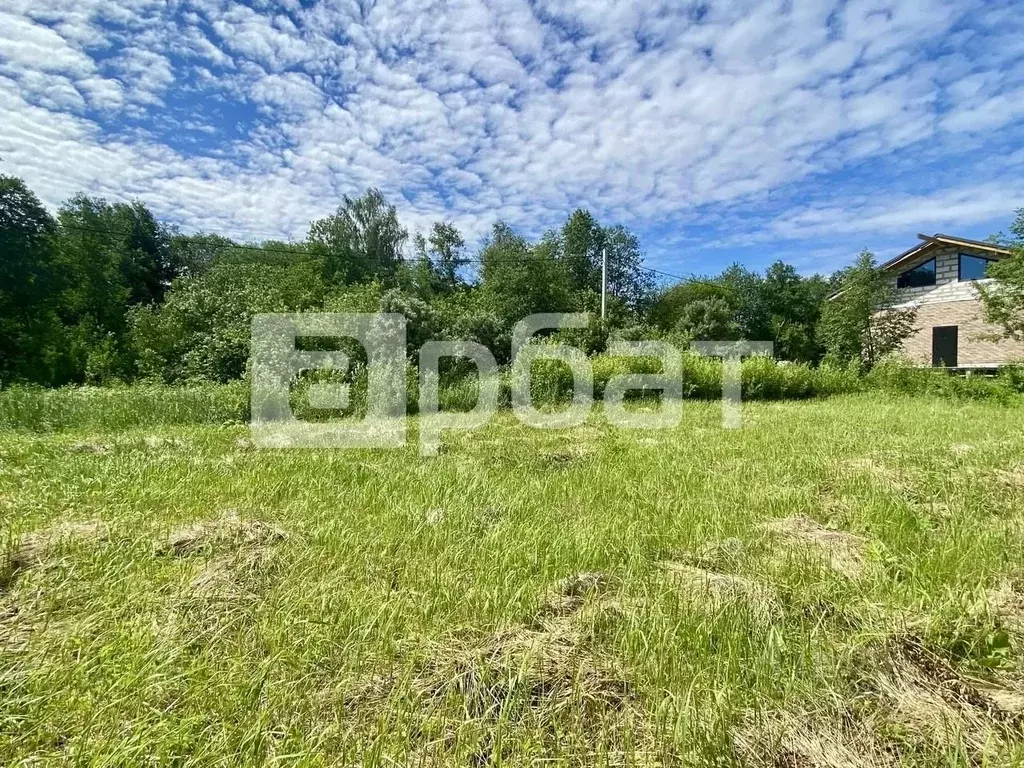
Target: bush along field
[
  {"x": 551, "y": 384},
  {"x": 837, "y": 583}
]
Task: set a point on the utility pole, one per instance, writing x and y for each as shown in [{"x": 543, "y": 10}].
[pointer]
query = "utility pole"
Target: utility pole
[{"x": 604, "y": 280}]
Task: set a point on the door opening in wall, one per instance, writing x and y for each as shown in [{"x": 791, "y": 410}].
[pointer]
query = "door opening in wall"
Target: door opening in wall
[{"x": 944, "y": 346}]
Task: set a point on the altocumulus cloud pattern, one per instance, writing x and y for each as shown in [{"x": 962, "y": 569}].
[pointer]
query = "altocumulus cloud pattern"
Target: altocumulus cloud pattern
[{"x": 800, "y": 129}]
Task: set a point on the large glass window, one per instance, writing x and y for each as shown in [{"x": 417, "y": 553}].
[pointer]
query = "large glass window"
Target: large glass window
[
  {"x": 973, "y": 267},
  {"x": 922, "y": 274}
]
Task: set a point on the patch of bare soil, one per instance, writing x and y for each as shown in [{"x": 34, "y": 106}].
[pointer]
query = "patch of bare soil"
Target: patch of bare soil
[
  {"x": 843, "y": 550},
  {"x": 226, "y": 532}
]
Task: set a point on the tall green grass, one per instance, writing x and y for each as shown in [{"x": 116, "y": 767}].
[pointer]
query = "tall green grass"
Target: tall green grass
[
  {"x": 139, "y": 405},
  {"x": 897, "y": 376},
  {"x": 551, "y": 384},
  {"x": 762, "y": 377}
]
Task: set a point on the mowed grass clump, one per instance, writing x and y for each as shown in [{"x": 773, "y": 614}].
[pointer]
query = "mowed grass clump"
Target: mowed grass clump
[{"x": 837, "y": 583}]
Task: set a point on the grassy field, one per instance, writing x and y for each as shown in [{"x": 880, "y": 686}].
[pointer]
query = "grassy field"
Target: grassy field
[{"x": 838, "y": 583}]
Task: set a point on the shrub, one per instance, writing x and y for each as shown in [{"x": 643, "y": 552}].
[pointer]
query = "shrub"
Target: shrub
[
  {"x": 607, "y": 366},
  {"x": 838, "y": 379},
  {"x": 144, "y": 405},
  {"x": 764, "y": 379},
  {"x": 899, "y": 376},
  {"x": 202, "y": 332},
  {"x": 702, "y": 377},
  {"x": 1012, "y": 377},
  {"x": 551, "y": 382},
  {"x": 357, "y": 381}
]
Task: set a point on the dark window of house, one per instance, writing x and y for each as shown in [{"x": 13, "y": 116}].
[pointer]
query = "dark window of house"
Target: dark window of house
[
  {"x": 973, "y": 267},
  {"x": 922, "y": 274}
]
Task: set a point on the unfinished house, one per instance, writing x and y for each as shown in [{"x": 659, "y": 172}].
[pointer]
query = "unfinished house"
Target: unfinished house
[{"x": 938, "y": 276}]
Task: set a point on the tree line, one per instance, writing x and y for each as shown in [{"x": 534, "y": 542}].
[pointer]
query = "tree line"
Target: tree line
[{"x": 104, "y": 292}]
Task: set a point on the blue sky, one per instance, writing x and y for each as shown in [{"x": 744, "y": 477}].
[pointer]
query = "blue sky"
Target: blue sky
[{"x": 718, "y": 131}]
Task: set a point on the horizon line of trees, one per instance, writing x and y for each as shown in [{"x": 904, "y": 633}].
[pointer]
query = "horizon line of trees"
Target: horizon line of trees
[{"x": 104, "y": 292}]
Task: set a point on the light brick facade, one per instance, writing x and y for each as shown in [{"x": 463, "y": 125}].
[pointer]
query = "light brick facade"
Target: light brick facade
[{"x": 953, "y": 302}]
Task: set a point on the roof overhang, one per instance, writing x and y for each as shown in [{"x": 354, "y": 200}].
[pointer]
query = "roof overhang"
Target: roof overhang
[{"x": 928, "y": 242}]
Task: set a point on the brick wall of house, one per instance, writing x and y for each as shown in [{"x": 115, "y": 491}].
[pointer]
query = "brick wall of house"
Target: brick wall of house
[
  {"x": 975, "y": 348},
  {"x": 952, "y": 302}
]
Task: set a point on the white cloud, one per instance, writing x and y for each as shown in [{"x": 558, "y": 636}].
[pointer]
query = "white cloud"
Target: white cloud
[
  {"x": 27, "y": 46},
  {"x": 290, "y": 91},
  {"x": 943, "y": 210},
  {"x": 102, "y": 93},
  {"x": 482, "y": 109},
  {"x": 145, "y": 75},
  {"x": 986, "y": 114}
]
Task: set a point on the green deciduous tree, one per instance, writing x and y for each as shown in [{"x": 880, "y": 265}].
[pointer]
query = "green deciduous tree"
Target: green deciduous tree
[
  {"x": 1003, "y": 302},
  {"x": 202, "y": 331},
  {"x": 669, "y": 307},
  {"x": 861, "y": 322},
  {"x": 518, "y": 279},
  {"x": 361, "y": 241},
  {"x": 782, "y": 307},
  {"x": 468, "y": 316},
  {"x": 746, "y": 293},
  {"x": 30, "y": 282},
  {"x": 434, "y": 269},
  {"x": 709, "y": 319},
  {"x": 581, "y": 241},
  {"x": 793, "y": 304},
  {"x": 579, "y": 247},
  {"x": 446, "y": 253},
  {"x": 194, "y": 254},
  {"x": 113, "y": 256},
  {"x": 628, "y": 281}
]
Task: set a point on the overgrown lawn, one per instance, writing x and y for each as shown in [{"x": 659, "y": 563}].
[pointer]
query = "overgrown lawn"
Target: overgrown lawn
[{"x": 838, "y": 583}]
